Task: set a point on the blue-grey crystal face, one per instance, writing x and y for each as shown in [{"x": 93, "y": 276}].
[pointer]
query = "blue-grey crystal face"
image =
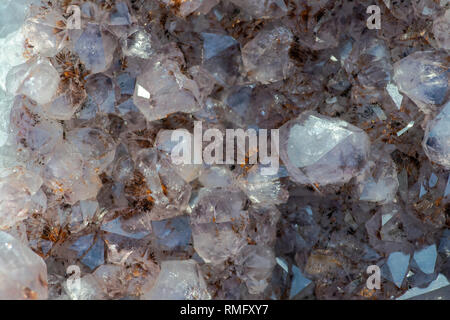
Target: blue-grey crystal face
[{"x": 89, "y": 47}]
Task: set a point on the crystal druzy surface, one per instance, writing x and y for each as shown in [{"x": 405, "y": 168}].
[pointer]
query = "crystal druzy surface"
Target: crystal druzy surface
[{"x": 92, "y": 91}]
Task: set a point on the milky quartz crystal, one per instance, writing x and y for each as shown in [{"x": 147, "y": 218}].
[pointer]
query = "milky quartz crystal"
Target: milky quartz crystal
[
  {"x": 45, "y": 34},
  {"x": 33, "y": 133},
  {"x": 186, "y": 7},
  {"x": 67, "y": 174},
  {"x": 162, "y": 89},
  {"x": 266, "y": 57},
  {"x": 360, "y": 165},
  {"x": 138, "y": 44},
  {"x": 218, "y": 224},
  {"x": 179, "y": 280},
  {"x": 437, "y": 138},
  {"x": 17, "y": 187},
  {"x": 423, "y": 77},
  {"x": 95, "y": 48},
  {"x": 261, "y": 188},
  {"x": 317, "y": 149},
  {"x": 258, "y": 263},
  {"x": 38, "y": 80},
  {"x": 265, "y": 9},
  {"x": 440, "y": 30},
  {"x": 23, "y": 273},
  {"x": 11, "y": 54}
]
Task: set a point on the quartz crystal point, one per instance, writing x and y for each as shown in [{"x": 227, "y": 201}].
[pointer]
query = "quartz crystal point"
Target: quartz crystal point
[
  {"x": 97, "y": 146},
  {"x": 441, "y": 26},
  {"x": 45, "y": 34},
  {"x": 172, "y": 234},
  {"x": 138, "y": 43},
  {"x": 68, "y": 175},
  {"x": 266, "y": 57},
  {"x": 258, "y": 263},
  {"x": 263, "y": 189},
  {"x": 167, "y": 192},
  {"x": 23, "y": 273},
  {"x": 436, "y": 142},
  {"x": 37, "y": 79},
  {"x": 381, "y": 183},
  {"x": 186, "y": 7},
  {"x": 162, "y": 89},
  {"x": 34, "y": 134},
  {"x": 318, "y": 149},
  {"x": 216, "y": 177},
  {"x": 423, "y": 77},
  {"x": 87, "y": 289},
  {"x": 120, "y": 16},
  {"x": 95, "y": 47},
  {"x": 221, "y": 57},
  {"x": 179, "y": 280},
  {"x": 218, "y": 224},
  {"x": 263, "y": 9},
  {"x": 17, "y": 188}
]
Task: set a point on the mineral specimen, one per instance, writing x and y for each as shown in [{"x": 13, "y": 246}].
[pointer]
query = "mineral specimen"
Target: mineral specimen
[
  {"x": 23, "y": 272},
  {"x": 95, "y": 96},
  {"x": 437, "y": 138},
  {"x": 321, "y": 150}
]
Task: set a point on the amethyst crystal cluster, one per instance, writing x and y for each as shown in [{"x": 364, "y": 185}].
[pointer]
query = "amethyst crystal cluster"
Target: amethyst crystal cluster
[{"x": 93, "y": 207}]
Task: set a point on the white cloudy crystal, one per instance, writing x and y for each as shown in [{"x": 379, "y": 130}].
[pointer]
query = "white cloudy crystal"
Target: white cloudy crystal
[
  {"x": 318, "y": 149},
  {"x": 263, "y": 8},
  {"x": 266, "y": 57},
  {"x": 185, "y": 8},
  {"x": 95, "y": 47},
  {"x": 37, "y": 79},
  {"x": 17, "y": 187},
  {"x": 68, "y": 175},
  {"x": 179, "y": 280},
  {"x": 218, "y": 224},
  {"x": 6, "y": 103},
  {"x": 258, "y": 263},
  {"x": 23, "y": 274},
  {"x": 12, "y": 53},
  {"x": 436, "y": 142},
  {"x": 441, "y": 27},
  {"x": 423, "y": 77},
  {"x": 45, "y": 34},
  {"x": 162, "y": 89}
]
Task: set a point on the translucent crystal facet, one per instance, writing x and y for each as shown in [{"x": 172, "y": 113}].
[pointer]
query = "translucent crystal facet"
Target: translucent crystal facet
[
  {"x": 179, "y": 280},
  {"x": 23, "y": 272},
  {"x": 317, "y": 149}
]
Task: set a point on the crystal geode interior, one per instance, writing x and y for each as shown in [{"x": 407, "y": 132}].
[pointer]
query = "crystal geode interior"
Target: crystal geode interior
[{"x": 91, "y": 92}]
